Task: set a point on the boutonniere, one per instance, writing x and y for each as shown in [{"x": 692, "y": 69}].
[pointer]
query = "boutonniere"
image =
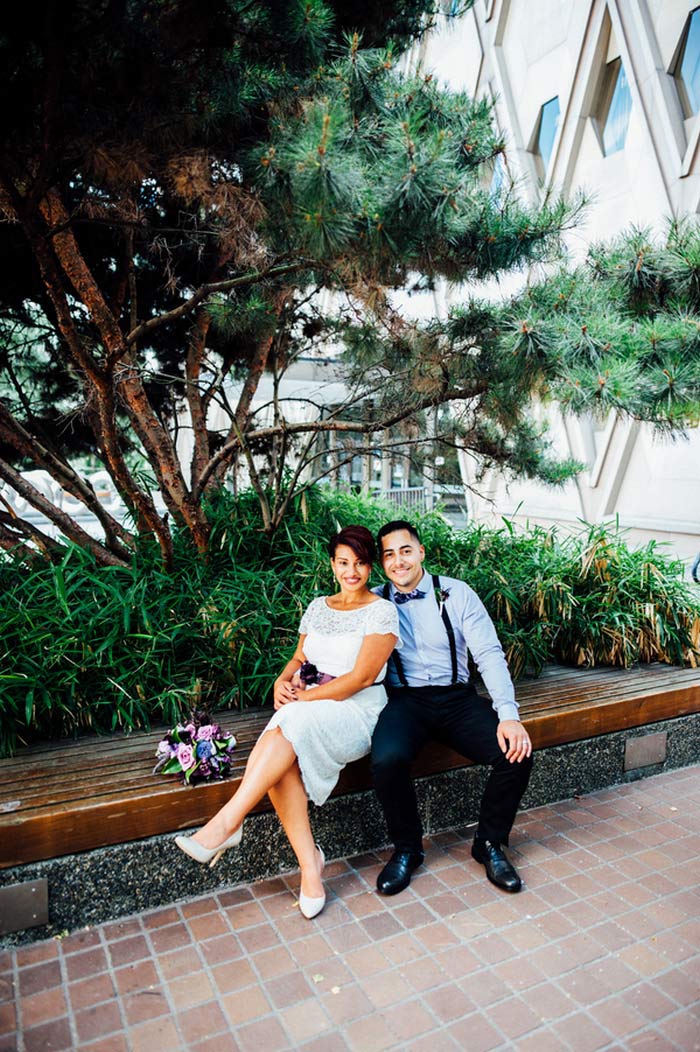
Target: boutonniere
[{"x": 441, "y": 595}]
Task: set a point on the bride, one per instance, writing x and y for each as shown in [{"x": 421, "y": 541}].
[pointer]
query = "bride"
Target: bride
[{"x": 327, "y": 701}]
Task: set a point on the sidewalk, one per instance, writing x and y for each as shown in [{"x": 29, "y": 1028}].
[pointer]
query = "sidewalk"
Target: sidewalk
[{"x": 601, "y": 950}]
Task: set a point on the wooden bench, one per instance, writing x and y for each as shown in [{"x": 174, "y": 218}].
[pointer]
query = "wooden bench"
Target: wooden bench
[{"x": 71, "y": 796}]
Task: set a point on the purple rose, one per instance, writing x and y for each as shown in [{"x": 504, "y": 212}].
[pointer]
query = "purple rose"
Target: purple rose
[
  {"x": 164, "y": 748},
  {"x": 185, "y": 755},
  {"x": 206, "y": 732},
  {"x": 204, "y": 769}
]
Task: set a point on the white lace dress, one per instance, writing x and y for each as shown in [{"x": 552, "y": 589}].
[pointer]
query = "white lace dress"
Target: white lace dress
[{"x": 328, "y": 734}]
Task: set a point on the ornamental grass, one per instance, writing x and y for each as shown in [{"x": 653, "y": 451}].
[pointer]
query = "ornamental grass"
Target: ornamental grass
[{"x": 86, "y": 648}]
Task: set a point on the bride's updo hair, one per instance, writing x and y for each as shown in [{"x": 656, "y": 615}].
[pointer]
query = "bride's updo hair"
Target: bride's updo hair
[{"x": 359, "y": 539}]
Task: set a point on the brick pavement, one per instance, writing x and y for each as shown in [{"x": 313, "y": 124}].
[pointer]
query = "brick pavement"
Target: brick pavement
[{"x": 601, "y": 950}]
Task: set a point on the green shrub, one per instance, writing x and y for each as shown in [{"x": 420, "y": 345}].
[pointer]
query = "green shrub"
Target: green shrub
[{"x": 88, "y": 648}]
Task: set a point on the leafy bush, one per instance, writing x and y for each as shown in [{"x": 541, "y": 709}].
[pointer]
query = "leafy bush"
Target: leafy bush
[{"x": 93, "y": 648}]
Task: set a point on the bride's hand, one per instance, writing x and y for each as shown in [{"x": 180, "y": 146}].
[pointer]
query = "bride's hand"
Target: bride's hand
[
  {"x": 296, "y": 682},
  {"x": 283, "y": 693}
]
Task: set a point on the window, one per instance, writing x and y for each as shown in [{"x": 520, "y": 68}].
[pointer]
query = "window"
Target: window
[
  {"x": 687, "y": 71},
  {"x": 546, "y": 132},
  {"x": 498, "y": 180},
  {"x": 614, "y": 108}
]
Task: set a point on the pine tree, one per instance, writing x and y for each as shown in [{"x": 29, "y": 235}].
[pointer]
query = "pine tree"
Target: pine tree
[{"x": 178, "y": 180}]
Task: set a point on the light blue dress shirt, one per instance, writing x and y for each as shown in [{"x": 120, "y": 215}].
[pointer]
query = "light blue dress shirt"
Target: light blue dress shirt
[{"x": 426, "y": 651}]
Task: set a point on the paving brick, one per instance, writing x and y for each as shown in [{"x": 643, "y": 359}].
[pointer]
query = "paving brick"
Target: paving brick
[
  {"x": 370, "y": 1035},
  {"x": 37, "y": 953},
  {"x": 178, "y": 962},
  {"x": 87, "y": 964},
  {"x": 409, "y": 1019},
  {"x": 305, "y": 1020},
  {"x": 422, "y": 974},
  {"x": 449, "y": 1003},
  {"x": 148, "y": 1004},
  {"x": 244, "y": 1005},
  {"x": 40, "y": 977},
  {"x": 7, "y": 989},
  {"x": 223, "y": 948},
  {"x": 582, "y": 1033},
  {"x": 160, "y": 918},
  {"x": 367, "y": 960},
  {"x": 206, "y": 1022},
  {"x": 49, "y": 1037},
  {"x": 154, "y": 1035},
  {"x": 43, "y": 1006},
  {"x": 549, "y": 1002},
  {"x": 8, "y": 1019},
  {"x": 120, "y": 929},
  {"x": 267, "y": 1034},
  {"x": 126, "y": 951},
  {"x": 191, "y": 990},
  {"x": 233, "y": 976},
  {"x": 88, "y": 992},
  {"x": 170, "y": 937},
  {"x": 477, "y": 1034},
  {"x": 679, "y": 984},
  {"x": 91, "y": 1023},
  {"x": 457, "y": 962},
  {"x": 140, "y": 976},
  {"x": 79, "y": 940},
  {"x": 514, "y": 1017},
  {"x": 617, "y": 1016},
  {"x": 286, "y": 990},
  {"x": 387, "y": 988},
  {"x": 346, "y": 1003}
]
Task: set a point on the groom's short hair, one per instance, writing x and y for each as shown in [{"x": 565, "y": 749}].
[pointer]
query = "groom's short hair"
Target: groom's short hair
[{"x": 391, "y": 527}]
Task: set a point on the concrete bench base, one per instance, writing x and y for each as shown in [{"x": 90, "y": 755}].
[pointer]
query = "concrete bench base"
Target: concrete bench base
[{"x": 111, "y": 882}]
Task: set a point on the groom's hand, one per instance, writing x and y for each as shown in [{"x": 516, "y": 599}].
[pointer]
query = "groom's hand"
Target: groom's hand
[{"x": 513, "y": 740}]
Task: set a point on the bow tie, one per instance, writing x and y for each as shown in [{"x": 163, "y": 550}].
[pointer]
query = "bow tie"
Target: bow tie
[{"x": 405, "y": 597}]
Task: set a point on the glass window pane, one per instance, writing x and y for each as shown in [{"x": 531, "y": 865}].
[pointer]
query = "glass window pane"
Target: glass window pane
[
  {"x": 690, "y": 63},
  {"x": 618, "y": 118},
  {"x": 549, "y": 122},
  {"x": 498, "y": 179}
]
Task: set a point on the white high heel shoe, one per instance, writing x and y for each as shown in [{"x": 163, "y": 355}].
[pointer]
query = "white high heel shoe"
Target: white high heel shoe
[
  {"x": 309, "y": 907},
  {"x": 205, "y": 854}
]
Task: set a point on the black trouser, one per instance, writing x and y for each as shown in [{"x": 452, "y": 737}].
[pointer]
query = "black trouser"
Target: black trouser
[{"x": 458, "y": 717}]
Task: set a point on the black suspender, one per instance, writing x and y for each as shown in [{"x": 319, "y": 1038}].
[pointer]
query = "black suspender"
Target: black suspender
[
  {"x": 450, "y": 631},
  {"x": 396, "y": 657}
]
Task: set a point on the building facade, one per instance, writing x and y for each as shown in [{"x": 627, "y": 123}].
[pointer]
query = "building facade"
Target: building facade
[{"x": 602, "y": 95}]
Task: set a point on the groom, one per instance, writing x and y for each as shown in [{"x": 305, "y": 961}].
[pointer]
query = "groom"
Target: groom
[{"x": 431, "y": 699}]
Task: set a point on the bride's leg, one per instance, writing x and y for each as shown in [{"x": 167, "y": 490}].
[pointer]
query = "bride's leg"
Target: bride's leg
[
  {"x": 289, "y": 800},
  {"x": 270, "y": 760}
]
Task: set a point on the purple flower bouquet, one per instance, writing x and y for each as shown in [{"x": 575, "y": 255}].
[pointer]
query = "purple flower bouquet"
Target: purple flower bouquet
[{"x": 199, "y": 750}]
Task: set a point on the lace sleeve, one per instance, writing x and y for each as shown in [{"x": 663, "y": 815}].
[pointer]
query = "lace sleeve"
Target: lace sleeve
[
  {"x": 307, "y": 618},
  {"x": 383, "y": 617}
]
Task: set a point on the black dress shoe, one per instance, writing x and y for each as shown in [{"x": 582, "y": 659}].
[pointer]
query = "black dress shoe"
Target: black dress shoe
[
  {"x": 498, "y": 868},
  {"x": 396, "y": 874}
]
